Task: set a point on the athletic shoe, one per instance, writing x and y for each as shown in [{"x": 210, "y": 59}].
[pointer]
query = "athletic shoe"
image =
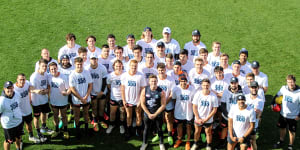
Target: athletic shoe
[
  {"x": 290, "y": 147},
  {"x": 42, "y": 138},
  {"x": 187, "y": 145},
  {"x": 177, "y": 143},
  {"x": 155, "y": 139},
  {"x": 34, "y": 139},
  {"x": 60, "y": 125},
  {"x": 164, "y": 127},
  {"x": 46, "y": 130},
  {"x": 144, "y": 146},
  {"x": 109, "y": 129},
  {"x": 96, "y": 128},
  {"x": 66, "y": 135},
  {"x": 162, "y": 147},
  {"x": 122, "y": 129},
  {"x": 208, "y": 148},
  {"x": 170, "y": 140},
  {"x": 194, "y": 147},
  {"x": 55, "y": 134},
  {"x": 277, "y": 145},
  {"x": 21, "y": 145},
  {"x": 74, "y": 124},
  {"x": 103, "y": 125}
]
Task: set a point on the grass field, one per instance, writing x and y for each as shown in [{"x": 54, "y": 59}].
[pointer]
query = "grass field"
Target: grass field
[{"x": 270, "y": 30}]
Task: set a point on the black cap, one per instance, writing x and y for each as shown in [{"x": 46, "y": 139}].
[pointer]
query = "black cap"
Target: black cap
[
  {"x": 64, "y": 56},
  {"x": 147, "y": 28},
  {"x": 236, "y": 62},
  {"x": 241, "y": 97},
  {"x": 255, "y": 64},
  {"x": 177, "y": 63},
  {"x": 234, "y": 80},
  {"x": 196, "y": 32},
  {"x": 244, "y": 51},
  {"x": 160, "y": 44},
  {"x": 253, "y": 84},
  {"x": 8, "y": 84},
  {"x": 130, "y": 36}
]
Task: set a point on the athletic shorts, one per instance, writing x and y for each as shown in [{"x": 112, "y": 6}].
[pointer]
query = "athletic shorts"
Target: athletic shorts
[
  {"x": 179, "y": 121},
  {"x": 285, "y": 122},
  {"x": 253, "y": 131},
  {"x": 116, "y": 103},
  {"x": 205, "y": 125},
  {"x": 94, "y": 97},
  {"x": 224, "y": 123},
  {"x": 81, "y": 105},
  {"x": 246, "y": 140},
  {"x": 13, "y": 133},
  {"x": 169, "y": 110},
  {"x": 27, "y": 119},
  {"x": 44, "y": 108},
  {"x": 59, "y": 107},
  {"x": 70, "y": 99},
  {"x": 130, "y": 105}
]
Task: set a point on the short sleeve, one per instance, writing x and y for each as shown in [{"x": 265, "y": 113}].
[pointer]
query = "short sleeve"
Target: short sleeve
[
  {"x": 252, "y": 116},
  {"x": 174, "y": 93},
  {"x": 230, "y": 114},
  {"x": 215, "y": 101},
  {"x": 72, "y": 82},
  {"x": 195, "y": 98},
  {"x": 88, "y": 77},
  {"x": 108, "y": 79}
]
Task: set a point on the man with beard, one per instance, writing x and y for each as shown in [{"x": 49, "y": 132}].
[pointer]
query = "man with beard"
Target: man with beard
[{"x": 195, "y": 45}]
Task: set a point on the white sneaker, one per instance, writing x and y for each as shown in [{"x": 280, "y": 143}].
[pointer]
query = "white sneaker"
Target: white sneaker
[
  {"x": 208, "y": 148},
  {"x": 34, "y": 139},
  {"x": 46, "y": 130},
  {"x": 162, "y": 147},
  {"x": 194, "y": 147},
  {"x": 21, "y": 145},
  {"x": 122, "y": 129},
  {"x": 109, "y": 129},
  {"x": 144, "y": 146},
  {"x": 42, "y": 138}
]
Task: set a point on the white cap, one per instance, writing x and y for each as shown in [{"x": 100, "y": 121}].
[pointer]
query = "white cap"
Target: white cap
[
  {"x": 93, "y": 55},
  {"x": 167, "y": 30}
]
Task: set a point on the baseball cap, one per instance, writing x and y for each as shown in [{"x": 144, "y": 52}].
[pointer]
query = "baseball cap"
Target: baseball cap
[
  {"x": 182, "y": 77},
  {"x": 244, "y": 50},
  {"x": 147, "y": 28},
  {"x": 236, "y": 62},
  {"x": 130, "y": 36},
  {"x": 234, "y": 80},
  {"x": 93, "y": 55},
  {"x": 255, "y": 64},
  {"x": 241, "y": 97},
  {"x": 253, "y": 84},
  {"x": 166, "y": 30},
  {"x": 8, "y": 84},
  {"x": 160, "y": 44},
  {"x": 177, "y": 63},
  {"x": 196, "y": 32},
  {"x": 64, "y": 56}
]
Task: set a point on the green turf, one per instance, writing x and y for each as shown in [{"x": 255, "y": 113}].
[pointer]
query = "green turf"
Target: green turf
[{"x": 268, "y": 29}]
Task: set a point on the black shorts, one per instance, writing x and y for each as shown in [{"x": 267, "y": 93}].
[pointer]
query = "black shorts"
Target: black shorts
[
  {"x": 169, "y": 110},
  {"x": 116, "y": 103},
  {"x": 285, "y": 122},
  {"x": 205, "y": 125},
  {"x": 81, "y": 105},
  {"x": 246, "y": 140},
  {"x": 253, "y": 131},
  {"x": 27, "y": 119},
  {"x": 185, "y": 122},
  {"x": 131, "y": 105},
  {"x": 224, "y": 123},
  {"x": 94, "y": 97},
  {"x": 44, "y": 108},
  {"x": 59, "y": 107},
  {"x": 13, "y": 133},
  {"x": 70, "y": 99}
]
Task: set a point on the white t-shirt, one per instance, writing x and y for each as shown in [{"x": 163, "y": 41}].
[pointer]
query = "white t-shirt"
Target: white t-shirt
[
  {"x": 260, "y": 93},
  {"x": 71, "y": 52},
  {"x": 171, "y": 47},
  {"x": 39, "y": 82},
  {"x": 97, "y": 76},
  {"x": 67, "y": 71},
  {"x": 193, "y": 50},
  {"x": 107, "y": 63},
  {"x": 290, "y": 106},
  {"x": 80, "y": 82},
  {"x": 128, "y": 52},
  {"x": 115, "y": 85},
  {"x": 262, "y": 79},
  {"x": 187, "y": 67},
  {"x": 230, "y": 99},
  {"x": 48, "y": 71},
  {"x": 197, "y": 78},
  {"x": 257, "y": 103},
  {"x": 133, "y": 85},
  {"x": 25, "y": 105},
  {"x": 213, "y": 60},
  {"x": 146, "y": 46},
  {"x": 167, "y": 85},
  {"x": 148, "y": 71},
  {"x": 219, "y": 86},
  {"x": 205, "y": 104},
  {"x": 245, "y": 69},
  {"x": 241, "y": 120},
  {"x": 183, "y": 106},
  {"x": 11, "y": 115},
  {"x": 97, "y": 52},
  {"x": 227, "y": 70},
  {"x": 210, "y": 69},
  {"x": 241, "y": 78},
  {"x": 58, "y": 84}
]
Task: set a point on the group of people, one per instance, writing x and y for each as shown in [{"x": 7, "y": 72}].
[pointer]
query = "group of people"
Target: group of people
[{"x": 147, "y": 85}]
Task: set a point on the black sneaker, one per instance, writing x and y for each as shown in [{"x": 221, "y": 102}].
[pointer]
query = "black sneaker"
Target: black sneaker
[
  {"x": 290, "y": 147},
  {"x": 278, "y": 145}
]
